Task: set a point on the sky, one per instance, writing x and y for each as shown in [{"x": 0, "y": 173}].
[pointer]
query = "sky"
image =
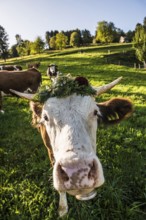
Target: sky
[{"x": 32, "y": 18}]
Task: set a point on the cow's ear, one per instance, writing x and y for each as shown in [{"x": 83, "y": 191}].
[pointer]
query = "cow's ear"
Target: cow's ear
[
  {"x": 115, "y": 110},
  {"x": 36, "y": 108}
]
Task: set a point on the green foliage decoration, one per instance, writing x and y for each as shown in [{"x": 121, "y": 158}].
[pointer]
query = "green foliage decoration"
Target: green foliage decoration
[{"x": 65, "y": 86}]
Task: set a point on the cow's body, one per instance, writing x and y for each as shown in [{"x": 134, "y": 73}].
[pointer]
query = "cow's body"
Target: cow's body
[
  {"x": 11, "y": 67},
  {"x": 68, "y": 127},
  {"x": 27, "y": 80}
]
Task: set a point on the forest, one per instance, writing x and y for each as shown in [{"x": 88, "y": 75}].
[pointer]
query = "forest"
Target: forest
[{"x": 105, "y": 33}]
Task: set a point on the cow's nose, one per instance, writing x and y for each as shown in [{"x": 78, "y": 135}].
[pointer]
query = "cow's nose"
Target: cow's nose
[
  {"x": 63, "y": 174},
  {"x": 79, "y": 174},
  {"x": 93, "y": 169}
]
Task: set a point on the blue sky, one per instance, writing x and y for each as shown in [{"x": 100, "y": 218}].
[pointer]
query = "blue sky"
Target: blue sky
[{"x": 32, "y": 18}]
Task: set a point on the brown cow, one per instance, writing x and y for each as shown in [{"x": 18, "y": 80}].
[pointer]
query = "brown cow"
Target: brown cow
[
  {"x": 33, "y": 65},
  {"x": 26, "y": 80}
]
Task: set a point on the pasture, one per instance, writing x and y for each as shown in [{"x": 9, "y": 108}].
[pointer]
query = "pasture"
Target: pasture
[{"x": 26, "y": 191}]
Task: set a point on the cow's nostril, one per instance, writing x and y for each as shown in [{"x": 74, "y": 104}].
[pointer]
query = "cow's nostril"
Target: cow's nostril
[
  {"x": 63, "y": 174},
  {"x": 93, "y": 168}
]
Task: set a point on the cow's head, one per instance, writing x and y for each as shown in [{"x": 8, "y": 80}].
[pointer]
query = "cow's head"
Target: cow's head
[
  {"x": 71, "y": 123},
  {"x": 53, "y": 69},
  {"x": 52, "y": 72}
]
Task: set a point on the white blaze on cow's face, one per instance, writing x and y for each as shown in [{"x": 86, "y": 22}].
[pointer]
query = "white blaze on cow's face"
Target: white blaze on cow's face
[{"x": 71, "y": 124}]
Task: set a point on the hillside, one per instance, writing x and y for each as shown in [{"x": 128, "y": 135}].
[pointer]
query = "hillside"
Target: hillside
[{"x": 26, "y": 175}]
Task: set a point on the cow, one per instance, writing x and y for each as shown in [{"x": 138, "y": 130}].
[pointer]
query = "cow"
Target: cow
[
  {"x": 52, "y": 72},
  {"x": 10, "y": 67},
  {"x": 34, "y": 65},
  {"x": 68, "y": 126},
  {"x": 26, "y": 80}
]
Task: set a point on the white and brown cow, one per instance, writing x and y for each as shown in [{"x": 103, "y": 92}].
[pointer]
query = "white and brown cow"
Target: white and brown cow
[
  {"x": 52, "y": 72},
  {"x": 10, "y": 67},
  {"x": 68, "y": 127}
]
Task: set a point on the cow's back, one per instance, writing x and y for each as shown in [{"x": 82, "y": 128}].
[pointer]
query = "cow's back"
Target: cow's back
[{"x": 20, "y": 80}]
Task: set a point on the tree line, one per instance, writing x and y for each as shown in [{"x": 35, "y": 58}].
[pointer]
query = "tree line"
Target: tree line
[{"x": 106, "y": 32}]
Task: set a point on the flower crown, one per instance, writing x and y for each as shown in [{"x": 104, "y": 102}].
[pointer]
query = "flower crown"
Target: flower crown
[{"x": 65, "y": 86}]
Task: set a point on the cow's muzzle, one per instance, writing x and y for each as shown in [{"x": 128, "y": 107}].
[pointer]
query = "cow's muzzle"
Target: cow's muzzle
[{"x": 78, "y": 178}]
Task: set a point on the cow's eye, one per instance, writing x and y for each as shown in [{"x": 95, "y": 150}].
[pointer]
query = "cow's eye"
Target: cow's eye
[
  {"x": 95, "y": 112},
  {"x": 46, "y": 118}
]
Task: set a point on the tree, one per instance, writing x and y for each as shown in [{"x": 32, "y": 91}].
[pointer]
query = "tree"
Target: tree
[
  {"x": 61, "y": 41},
  {"x": 18, "y": 39},
  {"x": 129, "y": 35},
  {"x": 53, "y": 42},
  {"x": 68, "y": 34},
  {"x": 117, "y": 34},
  {"x": 21, "y": 49},
  {"x": 139, "y": 42},
  {"x": 144, "y": 22},
  {"x": 38, "y": 45},
  {"x": 13, "y": 51},
  {"x": 49, "y": 35},
  {"x": 24, "y": 48},
  {"x": 27, "y": 44},
  {"x": 86, "y": 37},
  {"x": 75, "y": 39},
  {"x": 105, "y": 32},
  {"x": 3, "y": 43}
]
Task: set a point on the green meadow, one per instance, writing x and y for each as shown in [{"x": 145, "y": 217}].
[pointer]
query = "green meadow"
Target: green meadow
[{"x": 26, "y": 191}]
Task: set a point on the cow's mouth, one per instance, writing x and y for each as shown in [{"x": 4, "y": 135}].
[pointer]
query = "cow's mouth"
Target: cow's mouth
[
  {"x": 83, "y": 194},
  {"x": 88, "y": 196}
]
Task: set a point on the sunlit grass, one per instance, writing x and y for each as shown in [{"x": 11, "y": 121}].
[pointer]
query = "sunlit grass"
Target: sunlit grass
[{"x": 26, "y": 175}]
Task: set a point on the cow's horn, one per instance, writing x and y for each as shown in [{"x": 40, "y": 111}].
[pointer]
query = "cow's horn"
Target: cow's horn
[
  {"x": 107, "y": 87},
  {"x": 23, "y": 95}
]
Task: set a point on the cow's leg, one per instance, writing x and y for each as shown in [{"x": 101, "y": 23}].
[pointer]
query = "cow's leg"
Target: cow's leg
[
  {"x": 1, "y": 103},
  {"x": 63, "y": 206}
]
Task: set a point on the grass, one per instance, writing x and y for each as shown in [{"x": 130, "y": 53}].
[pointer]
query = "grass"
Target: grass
[{"x": 27, "y": 192}]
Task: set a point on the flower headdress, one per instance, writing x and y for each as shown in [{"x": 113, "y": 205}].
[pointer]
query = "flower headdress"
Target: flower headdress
[{"x": 65, "y": 86}]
